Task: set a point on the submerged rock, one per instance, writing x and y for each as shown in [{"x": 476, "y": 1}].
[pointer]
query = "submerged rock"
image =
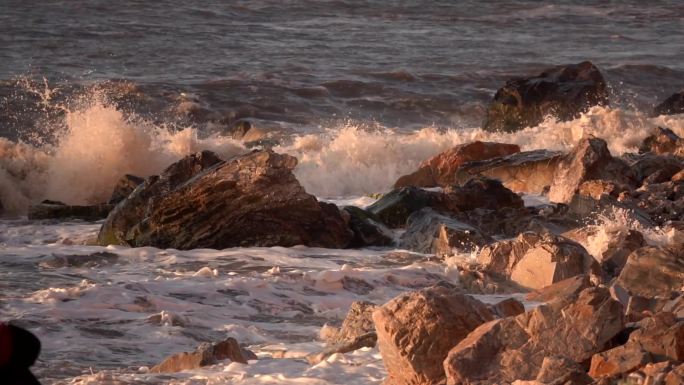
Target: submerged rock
[
  {"x": 205, "y": 354},
  {"x": 58, "y": 210},
  {"x": 357, "y": 331},
  {"x": 430, "y": 232},
  {"x": 510, "y": 349},
  {"x": 417, "y": 329},
  {"x": 563, "y": 92},
  {"x": 441, "y": 169},
  {"x": 204, "y": 202},
  {"x": 589, "y": 160}
]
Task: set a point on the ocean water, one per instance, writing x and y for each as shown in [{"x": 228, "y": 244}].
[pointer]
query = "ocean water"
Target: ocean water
[{"x": 360, "y": 92}]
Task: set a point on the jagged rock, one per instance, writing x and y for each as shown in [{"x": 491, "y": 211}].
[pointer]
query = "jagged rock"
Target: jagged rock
[
  {"x": 508, "y": 308},
  {"x": 535, "y": 261},
  {"x": 563, "y": 92},
  {"x": 618, "y": 361},
  {"x": 559, "y": 370},
  {"x": 671, "y": 106},
  {"x": 616, "y": 244},
  {"x": 661, "y": 335},
  {"x": 597, "y": 188},
  {"x": 589, "y": 160},
  {"x": 440, "y": 170},
  {"x": 587, "y": 209},
  {"x": 565, "y": 289},
  {"x": 203, "y": 202},
  {"x": 359, "y": 321},
  {"x": 514, "y": 348},
  {"x": 650, "y": 168},
  {"x": 653, "y": 271},
  {"x": 663, "y": 141},
  {"x": 524, "y": 172},
  {"x": 58, "y": 210},
  {"x": 367, "y": 340},
  {"x": 368, "y": 231},
  {"x": 205, "y": 354},
  {"x": 417, "y": 329},
  {"x": 394, "y": 208},
  {"x": 124, "y": 187},
  {"x": 661, "y": 201},
  {"x": 430, "y": 232}
]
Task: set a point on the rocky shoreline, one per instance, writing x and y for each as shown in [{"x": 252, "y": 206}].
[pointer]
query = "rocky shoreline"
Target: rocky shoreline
[{"x": 608, "y": 315}]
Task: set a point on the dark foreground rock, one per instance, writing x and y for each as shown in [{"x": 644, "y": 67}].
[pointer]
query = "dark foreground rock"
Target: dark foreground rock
[
  {"x": 416, "y": 331},
  {"x": 58, "y": 210},
  {"x": 204, "y": 202},
  {"x": 368, "y": 230},
  {"x": 563, "y": 92},
  {"x": 515, "y": 348},
  {"x": 441, "y": 169},
  {"x": 124, "y": 187},
  {"x": 206, "y": 354}
]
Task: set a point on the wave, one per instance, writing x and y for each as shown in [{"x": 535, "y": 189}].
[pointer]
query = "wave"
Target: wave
[{"x": 97, "y": 144}]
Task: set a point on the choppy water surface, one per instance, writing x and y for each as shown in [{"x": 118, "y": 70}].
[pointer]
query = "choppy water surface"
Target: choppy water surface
[{"x": 359, "y": 91}]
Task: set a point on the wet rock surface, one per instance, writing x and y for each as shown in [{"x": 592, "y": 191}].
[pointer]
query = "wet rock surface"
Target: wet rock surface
[
  {"x": 204, "y": 202},
  {"x": 205, "y": 354},
  {"x": 563, "y": 92}
]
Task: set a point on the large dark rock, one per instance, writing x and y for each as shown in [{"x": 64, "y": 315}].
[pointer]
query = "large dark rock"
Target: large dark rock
[
  {"x": 58, "y": 210},
  {"x": 394, "y": 208},
  {"x": 417, "y": 329},
  {"x": 430, "y": 232},
  {"x": 589, "y": 160},
  {"x": 441, "y": 169},
  {"x": 510, "y": 349},
  {"x": 483, "y": 193},
  {"x": 563, "y": 92},
  {"x": 204, "y": 202},
  {"x": 527, "y": 172},
  {"x": 671, "y": 106}
]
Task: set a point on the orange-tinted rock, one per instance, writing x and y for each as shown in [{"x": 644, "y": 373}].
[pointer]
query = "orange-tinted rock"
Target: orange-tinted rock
[
  {"x": 616, "y": 244},
  {"x": 618, "y": 361},
  {"x": 508, "y": 308},
  {"x": 417, "y": 329},
  {"x": 589, "y": 160},
  {"x": 662, "y": 336},
  {"x": 440, "y": 170},
  {"x": 653, "y": 271},
  {"x": 510, "y": 349},
  {"x": 663, "y": 141},
  {"x": 206, "y": 354},
  {"x": 567, "y": 288}
]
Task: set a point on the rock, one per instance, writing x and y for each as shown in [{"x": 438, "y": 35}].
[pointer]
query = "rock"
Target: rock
[
  {"x": 359, "y": 322},
  {"x": 205, "y": 354},
  {"x": 653, "y": 271},
  {"x": 58, "y": 210},
  {"x": 19, "y": 350},
  {"x": 661, "y": 335},
  {"x": 558, "y": 370},
  {"x": 432, "y": 233},
  {"x": 524, "y": 172},
  {"x": 671, "y": 106},
  {"x": 618, "y": 361},
  {"x": 367, "y": 340},
  {"x": 662, "y": 141},
  {"x": 203, "y": 202},
  {"x": 510, "y": 307},
  {"x": 675, "y": 376},
  {"x": 124, "y": 187},
  {"x": 394, "y": 208},
  {"x": 440, "y": 170},
  {"x": 609, "y": 245},
  {"x": 649, "y": 168},
  {"x": 563, "y": 92},
  {"x": 535, "y": 261},
  {"x": 368, "y": 231},
  {"x": 565, "y": 289},
  {"x": 417, "y": 329},
  {"x": 483, "y": 193},
  {"x": 597, "y": 188},
  {"x": 510, "y": 349},
  {"x": 587, "y": 210},
  {"x": 589, "y": 160}
]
